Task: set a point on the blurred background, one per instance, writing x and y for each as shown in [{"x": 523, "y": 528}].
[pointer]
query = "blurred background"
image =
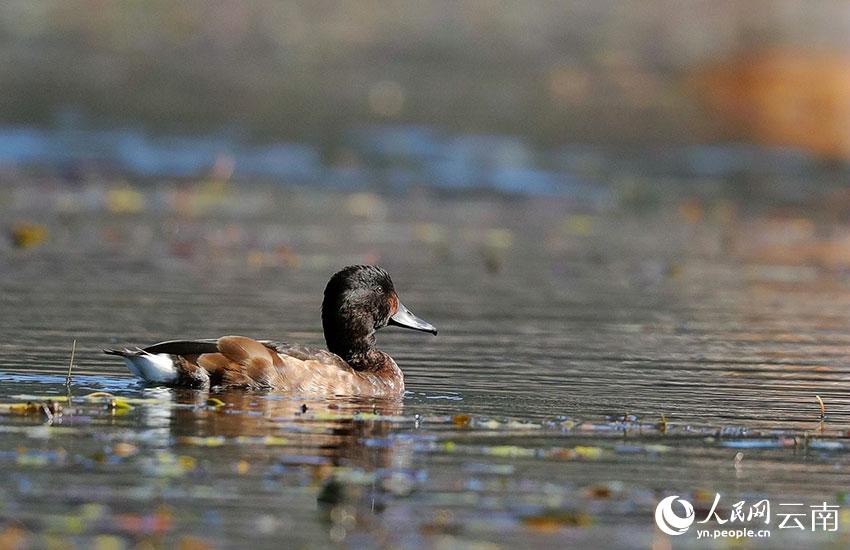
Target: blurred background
[{"x": 544, "y": 97}]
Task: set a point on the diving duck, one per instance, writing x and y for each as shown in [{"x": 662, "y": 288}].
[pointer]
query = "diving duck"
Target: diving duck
[{"x": 358, "y": 301}]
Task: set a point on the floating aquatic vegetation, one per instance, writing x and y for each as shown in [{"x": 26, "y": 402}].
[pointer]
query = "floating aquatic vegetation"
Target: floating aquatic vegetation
[
  {"x": 26, "y": 234},
  {"x": 124, "y": 200},
  {"x": 32, "y": 458},
  {"x": 822, "y": 417},
  {"x": 662, "y": 424},
  {"x": 158, "y": 522},
  {"x": 215, "y": 403},
  {"x": 601, "y": 491},
  {"x": 509, "y": 451},
  {"x": 71, "y": 364},
  {"x": 580, "y": 451},
  {"x": 167, "y": 464},
  {"x": 124, "y": 449},
  {"x": 242, "y": 467},
  {"x": 557, "y": 519},
  {"x": 461, "y": 420},
  {"x": 198, "y": 441},
  {"x": 47, "y": 409}
]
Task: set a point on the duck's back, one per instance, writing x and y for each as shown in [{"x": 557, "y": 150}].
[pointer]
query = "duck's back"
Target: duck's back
[{"x": 249, "y": 363}]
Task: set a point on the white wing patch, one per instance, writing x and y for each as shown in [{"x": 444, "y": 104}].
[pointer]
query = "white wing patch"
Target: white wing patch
[{"x": 153, "y": 368}]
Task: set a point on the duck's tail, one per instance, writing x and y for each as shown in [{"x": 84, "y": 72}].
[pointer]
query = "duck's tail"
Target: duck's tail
[{"x": 159, "y": 367}]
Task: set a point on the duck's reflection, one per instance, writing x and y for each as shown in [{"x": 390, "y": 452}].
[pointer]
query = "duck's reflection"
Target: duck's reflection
[
  {"x": 265, "y": 428},
  {"x": 333, "y": 429},
  {"x": 342, "y": 451}
]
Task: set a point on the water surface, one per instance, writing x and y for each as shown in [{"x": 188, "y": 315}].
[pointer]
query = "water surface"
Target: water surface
[{"x": 589, "y": 363}]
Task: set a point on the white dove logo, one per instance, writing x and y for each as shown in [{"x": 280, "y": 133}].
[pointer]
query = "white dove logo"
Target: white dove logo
[{"x": 668, "y": 521}]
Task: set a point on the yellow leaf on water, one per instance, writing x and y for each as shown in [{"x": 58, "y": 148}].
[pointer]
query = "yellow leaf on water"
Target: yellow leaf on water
[
  {"x": 27, "y": 234},
  {"x": 48, "y": 408},
  {"x": 588, "y": 452},
  {"x": 124, "y": 200},
  {"x": 461, "y": 420},
  {"x": 124, "y": 449},
  {"x": 119, "y": 404},
  {"x": 274, "y": 440},
  {"x": 210, "y": 441},
  {"x": 186, "y": 462},
  {"x": 553, "y": 521},
  {"x": 18, "y": 408},
  {"x": 509, "y": 450}
]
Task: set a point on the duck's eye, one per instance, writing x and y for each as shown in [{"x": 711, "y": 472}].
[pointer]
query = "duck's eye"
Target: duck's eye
[{"x": 379, "y": 289}]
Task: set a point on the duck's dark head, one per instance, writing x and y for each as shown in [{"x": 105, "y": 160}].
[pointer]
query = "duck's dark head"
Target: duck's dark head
[{"x": 359, "y": 300}]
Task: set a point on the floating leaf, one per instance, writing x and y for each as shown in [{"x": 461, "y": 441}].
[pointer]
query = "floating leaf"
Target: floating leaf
[
  {"x": 509, "y": 450},
  {"x": 461, "y": 420},
  {"x": 211, "y": 441},
  {"x": 119, "y": 404},
  {"x": 27, "y": 234},
  {"x": 47, "y": 408},
  {"x": 124, "y": 449},
  {"x": 97, "y": 394},
  {"x": 598, "y": 491},
  {"x": 588, "y": 452},
  {"x": 580, "y": 451},
  {"x": 555, "y": 520},
  {"x": 274, "y": 440},
  {"x": 662, "y": 424}
]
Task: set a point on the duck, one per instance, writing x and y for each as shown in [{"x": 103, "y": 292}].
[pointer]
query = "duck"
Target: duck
[{"x": 358, "y": 301}]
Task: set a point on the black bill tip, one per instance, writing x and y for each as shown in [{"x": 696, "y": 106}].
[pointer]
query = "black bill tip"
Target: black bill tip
[{"x": 405, "y": 319}]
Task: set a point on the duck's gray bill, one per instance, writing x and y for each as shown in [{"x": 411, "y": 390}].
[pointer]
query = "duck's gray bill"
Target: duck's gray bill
[{"x": 403, "y": 318}]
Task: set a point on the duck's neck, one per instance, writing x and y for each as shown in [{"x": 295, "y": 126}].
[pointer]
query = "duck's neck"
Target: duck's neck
[
  {"x": 371, "y": 360},
  {"x": 360, "y": 353}
]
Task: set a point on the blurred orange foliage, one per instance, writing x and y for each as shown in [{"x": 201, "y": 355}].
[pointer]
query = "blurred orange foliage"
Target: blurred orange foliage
[{"x": 784, "y": 97}]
